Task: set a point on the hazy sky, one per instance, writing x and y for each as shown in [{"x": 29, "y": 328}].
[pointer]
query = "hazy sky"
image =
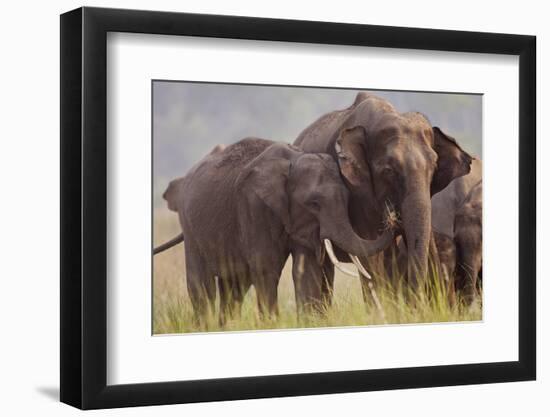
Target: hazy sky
[{"x": 190, "y": 118}]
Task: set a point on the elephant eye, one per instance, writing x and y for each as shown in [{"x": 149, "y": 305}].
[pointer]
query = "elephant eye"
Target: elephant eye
[
  {"x": 388, "y": 172},
  {"x": 314, "y": 204}
]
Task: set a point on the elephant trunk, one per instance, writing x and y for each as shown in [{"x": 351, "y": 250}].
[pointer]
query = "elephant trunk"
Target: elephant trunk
[
  {"x": 343, "y": 235},
  {"x": 416, "y": 217}
]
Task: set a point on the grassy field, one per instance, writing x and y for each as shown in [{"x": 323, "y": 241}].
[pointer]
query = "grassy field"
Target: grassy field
[{"x": 173, "y": 312}]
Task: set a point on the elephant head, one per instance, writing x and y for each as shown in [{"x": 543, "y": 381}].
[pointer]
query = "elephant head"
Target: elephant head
[
  {"x": 306, "y": 193},
  {"x": 319, "y": 210},
  {"x": 399, "y": 160}
]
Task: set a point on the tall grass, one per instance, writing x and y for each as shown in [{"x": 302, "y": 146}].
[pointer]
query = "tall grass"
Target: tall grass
[{"x": 173, "y": 313}]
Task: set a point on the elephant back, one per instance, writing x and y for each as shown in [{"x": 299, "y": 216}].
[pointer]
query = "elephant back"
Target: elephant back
[{"x": 208, "y": 203}]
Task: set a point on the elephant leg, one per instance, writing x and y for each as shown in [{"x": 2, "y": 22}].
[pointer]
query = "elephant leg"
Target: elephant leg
[
  {"x": 265, "y": 272},
  {"x": 308, "y": 281},
  {"x": 201, "y": 285},
  {"x": 447, "y": 255},
  {"x": 327, "y": 283},
  {"x": 232, "y": 292},
  {"x": 469, "y": 260},
  {"x": 266, "y": 284},
  {"x": 224, "y": 289},
  {"x": 390, "y": 262},
  {"x": 468, "y": 273},
  {"x": 446, "y": 248},
  {"x": 368, "y": 288},
  {"x": 241, "y": 285},
  {"x": 395, "y": 261}
]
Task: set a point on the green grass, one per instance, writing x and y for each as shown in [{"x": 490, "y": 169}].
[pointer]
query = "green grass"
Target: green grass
[{"x": 173, "y": 313}]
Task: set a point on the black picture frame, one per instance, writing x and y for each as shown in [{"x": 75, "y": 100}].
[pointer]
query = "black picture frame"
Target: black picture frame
[{"x": 84, "y": 207}]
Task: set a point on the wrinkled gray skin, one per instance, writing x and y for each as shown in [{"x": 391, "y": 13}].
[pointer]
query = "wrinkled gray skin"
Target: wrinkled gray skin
[
  {"x": 244, "y": 209},
  {"x": 446, "y": 203},
  {"x": 468, "y": 240},
  {"x": 446, "y": 250},
  {"x": 387, "y": 157},
  {"x": 454, "y": 201}
]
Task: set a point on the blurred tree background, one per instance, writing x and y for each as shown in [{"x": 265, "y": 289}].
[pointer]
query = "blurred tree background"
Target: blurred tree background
[{"x": 191, "y": 118}]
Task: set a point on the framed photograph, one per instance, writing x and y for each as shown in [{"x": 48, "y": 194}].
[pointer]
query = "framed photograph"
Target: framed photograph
[{"x": 257, "y": 208}]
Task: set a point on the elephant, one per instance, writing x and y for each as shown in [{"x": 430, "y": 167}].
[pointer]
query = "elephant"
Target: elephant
[
  {"x": 454, "y": 220},
  {"x": 447, "y": 206},
  {"x": 244, "y": 209},
  {"x": 388, "y": 158},
  {"x": 468, "y": 240}
]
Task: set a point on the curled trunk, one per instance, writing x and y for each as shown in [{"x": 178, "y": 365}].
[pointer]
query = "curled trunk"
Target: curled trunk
[{"x": 343, "y": 235}]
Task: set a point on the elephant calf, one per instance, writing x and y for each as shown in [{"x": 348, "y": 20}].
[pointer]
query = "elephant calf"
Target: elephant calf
[
  {"x": 245, "y": 208},
  {"x": 468, "y": 239},
  {"x": 456, "y": 222}
]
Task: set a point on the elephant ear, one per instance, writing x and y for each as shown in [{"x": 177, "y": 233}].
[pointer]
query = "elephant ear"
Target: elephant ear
[
  {"x": 351, "y": 156},
  {"x": 172, "y": 194},
  {"x": 452, "y": 161},
  {"x": 266, "y": 177}
]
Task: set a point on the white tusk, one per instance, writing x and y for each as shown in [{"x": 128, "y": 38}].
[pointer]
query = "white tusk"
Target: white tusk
[
  {"x": 373, "y": 294},
  {"x": 377, "y": 301},
  {"x": 362, "y": 270},
  {"x": 334, "y": 260},
  {"x": 360, "y": 266}
]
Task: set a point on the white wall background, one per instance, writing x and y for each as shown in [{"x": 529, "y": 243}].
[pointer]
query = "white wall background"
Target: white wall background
[{"x": 29, "y": 213}]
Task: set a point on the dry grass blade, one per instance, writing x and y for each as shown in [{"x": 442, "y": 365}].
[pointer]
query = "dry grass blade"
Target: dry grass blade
[
  {"x": 391, "y": 219},
  {"x": 173, "y": 313}
]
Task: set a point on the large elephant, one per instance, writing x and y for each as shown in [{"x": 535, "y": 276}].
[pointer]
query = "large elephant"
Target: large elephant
[
  {"x": 243, "y": 210},
  {"x": 389, "y": 158}
]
